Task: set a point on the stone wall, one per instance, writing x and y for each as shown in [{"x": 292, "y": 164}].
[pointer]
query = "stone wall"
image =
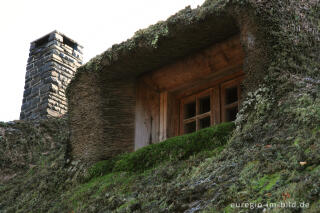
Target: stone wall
[{"x": 53, "y": 61}]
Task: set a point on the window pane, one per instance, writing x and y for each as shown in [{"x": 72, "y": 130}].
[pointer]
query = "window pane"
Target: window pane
[
  {"x": 204, "y": 122},
  {"x": 231, "y": 95},
  {"x": 189, "y": 110},
  {"x": 231, "y": 113},
  {"x": 189, "y": 127},
  {"x": 204, "y": 105}
]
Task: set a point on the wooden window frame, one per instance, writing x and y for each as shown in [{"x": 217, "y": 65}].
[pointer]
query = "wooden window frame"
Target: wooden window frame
[
  {"x": 218, "y": 106},
  {"x": 195, "y": 98},
  {"x": 224, "y": 106}
]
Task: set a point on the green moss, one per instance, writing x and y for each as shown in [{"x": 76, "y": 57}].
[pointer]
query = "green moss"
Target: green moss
[
  {"x": 314, "y": 208},
  {"x": 173, "y": 149},
  {"x": 228, "y": 209},
  {"x": 176, "y": 148},
  {"x": 249, "y": 171},
  {"x": 296, "y": 142},
  {"x": 314, "y": 169},
  {"x": 126, "y": 206},
  {"x": 266, "y": 183},
  {"x": 98, "y": 169},
  {"x": 97, "y": 186}
]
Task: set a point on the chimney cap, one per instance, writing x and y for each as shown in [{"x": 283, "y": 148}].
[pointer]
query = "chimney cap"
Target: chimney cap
[{"x": 59, "y": 33}]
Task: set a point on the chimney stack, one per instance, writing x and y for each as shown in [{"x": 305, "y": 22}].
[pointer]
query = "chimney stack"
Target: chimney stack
[{"x": 53, "y": 61}]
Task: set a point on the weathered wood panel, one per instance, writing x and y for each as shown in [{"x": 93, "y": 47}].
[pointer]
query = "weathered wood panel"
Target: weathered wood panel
[
  {"x": 147, "y": 119},
  {"x": 173, "y": 111}
]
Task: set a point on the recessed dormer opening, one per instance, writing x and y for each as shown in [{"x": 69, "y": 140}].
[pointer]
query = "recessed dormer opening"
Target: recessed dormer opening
[{"x": 194, "y": 93}]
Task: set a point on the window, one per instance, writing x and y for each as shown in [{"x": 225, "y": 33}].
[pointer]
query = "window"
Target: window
[
  {"x": 196, "y": 112},
  {"x": 230, "y": 94},
  {"x": 217, "y": 104}
]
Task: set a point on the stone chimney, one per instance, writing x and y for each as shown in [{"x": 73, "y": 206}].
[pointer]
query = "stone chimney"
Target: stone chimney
[{"x": 53, "y": 61}]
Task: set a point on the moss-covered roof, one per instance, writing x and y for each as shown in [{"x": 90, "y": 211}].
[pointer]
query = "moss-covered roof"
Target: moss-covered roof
[
  {"x": 193, "y": 29},
  {"x": 162, "y": 43},
  {"x": 273, "y": 155}
]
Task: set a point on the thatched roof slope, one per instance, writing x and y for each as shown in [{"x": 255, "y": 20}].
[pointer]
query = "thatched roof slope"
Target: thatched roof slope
[
  {"x": 193, "y": 29},
  {"x": 181, "y": 34}
]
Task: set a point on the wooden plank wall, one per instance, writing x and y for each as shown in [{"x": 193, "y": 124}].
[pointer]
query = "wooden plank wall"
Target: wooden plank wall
[
  {"x": 147, "y": 117},
  {"x": 169, "y": 116}
]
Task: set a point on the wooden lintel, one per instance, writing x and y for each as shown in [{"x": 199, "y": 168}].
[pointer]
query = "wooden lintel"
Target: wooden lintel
[
  {"x": 215, "y": 79},
  {"x": 199, "y": 66}
]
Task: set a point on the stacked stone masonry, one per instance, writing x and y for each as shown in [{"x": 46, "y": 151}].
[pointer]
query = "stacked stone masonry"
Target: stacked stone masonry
[{"x": 52, "y": 63}]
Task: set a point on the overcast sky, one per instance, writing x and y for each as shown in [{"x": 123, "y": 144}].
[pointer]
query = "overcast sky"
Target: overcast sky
[{"x": 95, "y": 24}]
